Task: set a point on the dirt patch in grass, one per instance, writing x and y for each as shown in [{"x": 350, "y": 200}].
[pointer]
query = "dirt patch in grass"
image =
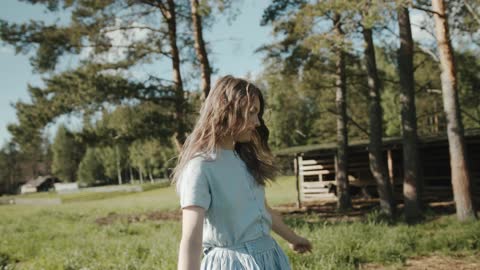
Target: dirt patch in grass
[
  {"x": 322, "y": 209},
  {"x": 436, "y": 262},
  {"x": 138, "y": 217}
]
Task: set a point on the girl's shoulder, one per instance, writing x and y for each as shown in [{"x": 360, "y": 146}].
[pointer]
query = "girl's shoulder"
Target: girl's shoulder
[
  {"x": 209, "y": 161},
  {"x": 200, "y": 160}
]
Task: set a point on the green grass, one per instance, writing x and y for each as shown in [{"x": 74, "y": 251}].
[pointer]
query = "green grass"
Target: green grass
[
  {"x": 281, "y": 191},
  {"x": 66, "y": 236},
  {"x": 347, "y": 245}
]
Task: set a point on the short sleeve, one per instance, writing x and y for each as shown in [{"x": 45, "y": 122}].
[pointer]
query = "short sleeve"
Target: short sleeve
[{"x": 194, "y": 188}]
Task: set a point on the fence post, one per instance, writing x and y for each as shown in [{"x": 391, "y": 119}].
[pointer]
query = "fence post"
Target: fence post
[{"x": 297, "y": 165}]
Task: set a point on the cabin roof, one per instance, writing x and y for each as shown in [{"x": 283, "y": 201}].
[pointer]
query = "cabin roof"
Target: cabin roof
[
  {"x": 388, "y": 143},
  {"x": 38, "y": 181}
]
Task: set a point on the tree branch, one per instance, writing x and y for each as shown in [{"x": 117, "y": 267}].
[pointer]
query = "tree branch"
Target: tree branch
[
  {"x": 140, "y": 13},
  {"x": 470, "y": 116},
  {"x": 423, "y": 87},
  {"x": 470, "y": 9},
  {"x": 390, "y": 30},
  {"x": 351, "y": 120},
  {"x": 419, "y": 65},
  {"x": 423, "y": 28},
  {"x": 358, "y": 126},
  {"x": 158, "y": 4},
  {"x": 390, "y": 81},
  {"x": 426, "y": 10},
  {"x": 120, "y": 28},
  {"x": 430, "y": 53},
  {"x": 121, "y": 46}
]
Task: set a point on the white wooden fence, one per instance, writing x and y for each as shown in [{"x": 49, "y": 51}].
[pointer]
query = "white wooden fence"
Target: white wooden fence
[{"x": 318, "y": 188}]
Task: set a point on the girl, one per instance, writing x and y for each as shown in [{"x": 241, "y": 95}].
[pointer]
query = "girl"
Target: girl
[{"x": 222, "y": 170}]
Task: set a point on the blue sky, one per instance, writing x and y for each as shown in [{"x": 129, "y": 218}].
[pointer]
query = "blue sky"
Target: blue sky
[{"x": 233, "y": 45}]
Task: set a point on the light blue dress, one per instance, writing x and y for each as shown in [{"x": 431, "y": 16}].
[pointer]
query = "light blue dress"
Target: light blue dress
[{"x": 236, "y": 229}]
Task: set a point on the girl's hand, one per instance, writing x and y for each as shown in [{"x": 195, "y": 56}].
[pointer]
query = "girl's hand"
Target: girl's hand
[{"x": 301, "y": 245}]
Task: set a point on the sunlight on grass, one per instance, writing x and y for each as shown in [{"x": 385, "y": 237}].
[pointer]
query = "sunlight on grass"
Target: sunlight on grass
[
  {"x": 282, "y": 191},
  {"x": 67, "y": 236}
]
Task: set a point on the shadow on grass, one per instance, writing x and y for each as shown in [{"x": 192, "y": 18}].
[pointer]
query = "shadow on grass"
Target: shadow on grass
[
  {"x": 6, "y": 259},
  {"x": 325, "y": 213}
]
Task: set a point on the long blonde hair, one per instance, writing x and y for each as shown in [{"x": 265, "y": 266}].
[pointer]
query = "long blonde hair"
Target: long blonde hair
[{"x": 223, "y": 114}]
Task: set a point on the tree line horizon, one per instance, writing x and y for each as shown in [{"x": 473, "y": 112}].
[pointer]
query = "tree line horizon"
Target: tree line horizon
[{"x": 337, "y": 71}]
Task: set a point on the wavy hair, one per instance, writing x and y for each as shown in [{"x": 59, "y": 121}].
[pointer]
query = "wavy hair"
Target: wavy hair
[{"x": 224, "y": 113}]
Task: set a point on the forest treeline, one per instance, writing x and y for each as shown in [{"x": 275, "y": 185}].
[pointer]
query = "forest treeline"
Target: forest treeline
[{"x": 335, "y": 71}]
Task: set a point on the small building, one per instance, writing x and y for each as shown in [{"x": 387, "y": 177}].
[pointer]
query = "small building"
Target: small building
[
  {"x": 314, "y": 166},
  {"x": 39, "y": 184},
  {"x": 66, "y": 187}
]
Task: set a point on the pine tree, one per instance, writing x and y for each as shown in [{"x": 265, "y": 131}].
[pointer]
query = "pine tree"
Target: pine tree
[
  {"x": 90, "y": 169},
  {"x": 411, "y": 162},
  {"x": 200, "y": 47},
  {"x": 66, "y": 155},
  {"x": 92, "y": 30},
  {"x": 378, "y": 165},
  {"x": 461, "y": 179},
  {"x": 341, "y": 159}
]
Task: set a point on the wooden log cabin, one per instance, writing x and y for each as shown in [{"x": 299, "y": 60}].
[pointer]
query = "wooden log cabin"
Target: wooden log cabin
[{"x": 314, "y": 167}]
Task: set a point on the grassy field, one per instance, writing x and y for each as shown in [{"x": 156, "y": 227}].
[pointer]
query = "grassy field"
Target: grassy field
[{"x": 136, "y": 234}]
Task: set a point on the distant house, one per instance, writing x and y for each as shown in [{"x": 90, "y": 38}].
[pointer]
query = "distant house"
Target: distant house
[{"x": 39, "y": 184}]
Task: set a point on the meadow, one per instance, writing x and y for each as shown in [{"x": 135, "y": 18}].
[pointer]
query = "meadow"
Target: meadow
[{"x": 142, "y": 231}]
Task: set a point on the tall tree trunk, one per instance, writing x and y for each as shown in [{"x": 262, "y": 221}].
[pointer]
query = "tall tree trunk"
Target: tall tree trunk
[
  {"x": 150, "y": 175},
  {"x": 13, "y": 169},
  {"x": 11, "y": 176},
  {"x": 460, "y": 175},
  {"x": 411, "y": 177},
  {"x": 169, "y": 14},
  {"x": 140, "y": 172},
  {"x": 200, "y": 48},
  {"x": 341, "y": 165},
  {"x": 119, "y": 170},
  {"x": 377, "y": 159}
]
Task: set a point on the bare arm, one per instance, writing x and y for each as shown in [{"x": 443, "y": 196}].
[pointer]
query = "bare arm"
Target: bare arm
[
  {"x": 191, "y": 244},
  {"x": 297, "y": 242}
]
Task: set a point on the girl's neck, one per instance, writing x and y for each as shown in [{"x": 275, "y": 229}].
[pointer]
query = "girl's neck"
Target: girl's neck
[{"x": 227, "y": 143}]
